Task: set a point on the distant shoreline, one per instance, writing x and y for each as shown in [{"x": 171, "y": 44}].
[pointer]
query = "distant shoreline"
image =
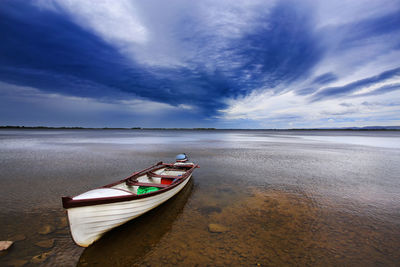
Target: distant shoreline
[{"x": 367, "y": 128}]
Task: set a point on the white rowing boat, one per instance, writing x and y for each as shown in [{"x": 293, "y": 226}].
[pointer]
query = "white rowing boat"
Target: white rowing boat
[{"x": 97, "y": 211}]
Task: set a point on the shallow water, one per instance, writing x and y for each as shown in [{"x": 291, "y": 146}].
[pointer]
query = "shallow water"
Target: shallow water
[{"x": 283, "y": 198}]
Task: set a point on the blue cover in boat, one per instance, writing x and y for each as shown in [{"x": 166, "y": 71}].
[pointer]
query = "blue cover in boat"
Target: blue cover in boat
[{"x": 181, "y": 156}]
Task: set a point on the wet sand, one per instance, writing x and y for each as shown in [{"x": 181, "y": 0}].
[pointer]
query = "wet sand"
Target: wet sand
[
  {"x": 277, "y": 200},
  {"x": 272, "y": 228}
]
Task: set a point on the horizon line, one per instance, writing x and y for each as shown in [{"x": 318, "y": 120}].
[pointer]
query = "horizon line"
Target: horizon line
[{"x": 353, "y": 128}]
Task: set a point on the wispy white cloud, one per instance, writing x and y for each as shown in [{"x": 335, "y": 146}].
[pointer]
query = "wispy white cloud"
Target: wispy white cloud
[
  {"x": 117, "y": 22},
  {"x": 336, "y": 13},
  {"x": 287, "y": 110},
  {"x": 350, "y": 60},
  {"x": 159, "y": 33}
]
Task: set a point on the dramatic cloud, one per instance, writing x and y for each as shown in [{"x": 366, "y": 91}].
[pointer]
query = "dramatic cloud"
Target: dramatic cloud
[
  {"x": 359, "y": 85},
  {"x": 233, "y": 64}
]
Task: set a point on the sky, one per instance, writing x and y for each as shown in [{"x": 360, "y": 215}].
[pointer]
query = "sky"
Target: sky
[{"x": 179, "y": 63}]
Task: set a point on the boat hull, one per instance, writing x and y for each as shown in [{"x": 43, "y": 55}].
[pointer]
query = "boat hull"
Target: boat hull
[{"x": 89, "y": 223}]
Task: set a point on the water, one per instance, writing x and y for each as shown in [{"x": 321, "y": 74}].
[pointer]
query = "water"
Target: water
[{"x": 284, "y": 198}]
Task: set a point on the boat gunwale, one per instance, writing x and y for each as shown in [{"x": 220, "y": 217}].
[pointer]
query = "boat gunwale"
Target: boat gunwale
[{"x": 69, "y": 202}]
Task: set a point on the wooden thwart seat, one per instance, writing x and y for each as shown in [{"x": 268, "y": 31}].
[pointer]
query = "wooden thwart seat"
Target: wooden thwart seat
[
  {"x": 152, "y": 174},
  {"x": 175, "y": 170},
  {"x": 135, "y": 183},
  {"x": 131, "y": 181}
]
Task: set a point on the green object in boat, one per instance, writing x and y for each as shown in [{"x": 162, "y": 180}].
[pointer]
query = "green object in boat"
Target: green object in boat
[{"x": 146, "y": 189}]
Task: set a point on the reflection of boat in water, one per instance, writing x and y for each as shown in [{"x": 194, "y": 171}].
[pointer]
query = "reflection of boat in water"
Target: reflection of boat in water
[
  {"x": 127, "y": 244},
  {"x": 97, "y": 211}
]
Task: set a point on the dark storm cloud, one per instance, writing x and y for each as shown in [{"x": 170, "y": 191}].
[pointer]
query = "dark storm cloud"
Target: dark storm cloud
[
  {"x": 358, "y": 32},
  {"x": 332, "y": 92},
  {"x": 46, "y": 50},
  {"x": 306, "y": 91},
  {"x": 283, "y": 51},
  {"x": 185, "y": 55},
  {"x": 325, "y": 78},
  {"x": 382, "y": 90}
]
